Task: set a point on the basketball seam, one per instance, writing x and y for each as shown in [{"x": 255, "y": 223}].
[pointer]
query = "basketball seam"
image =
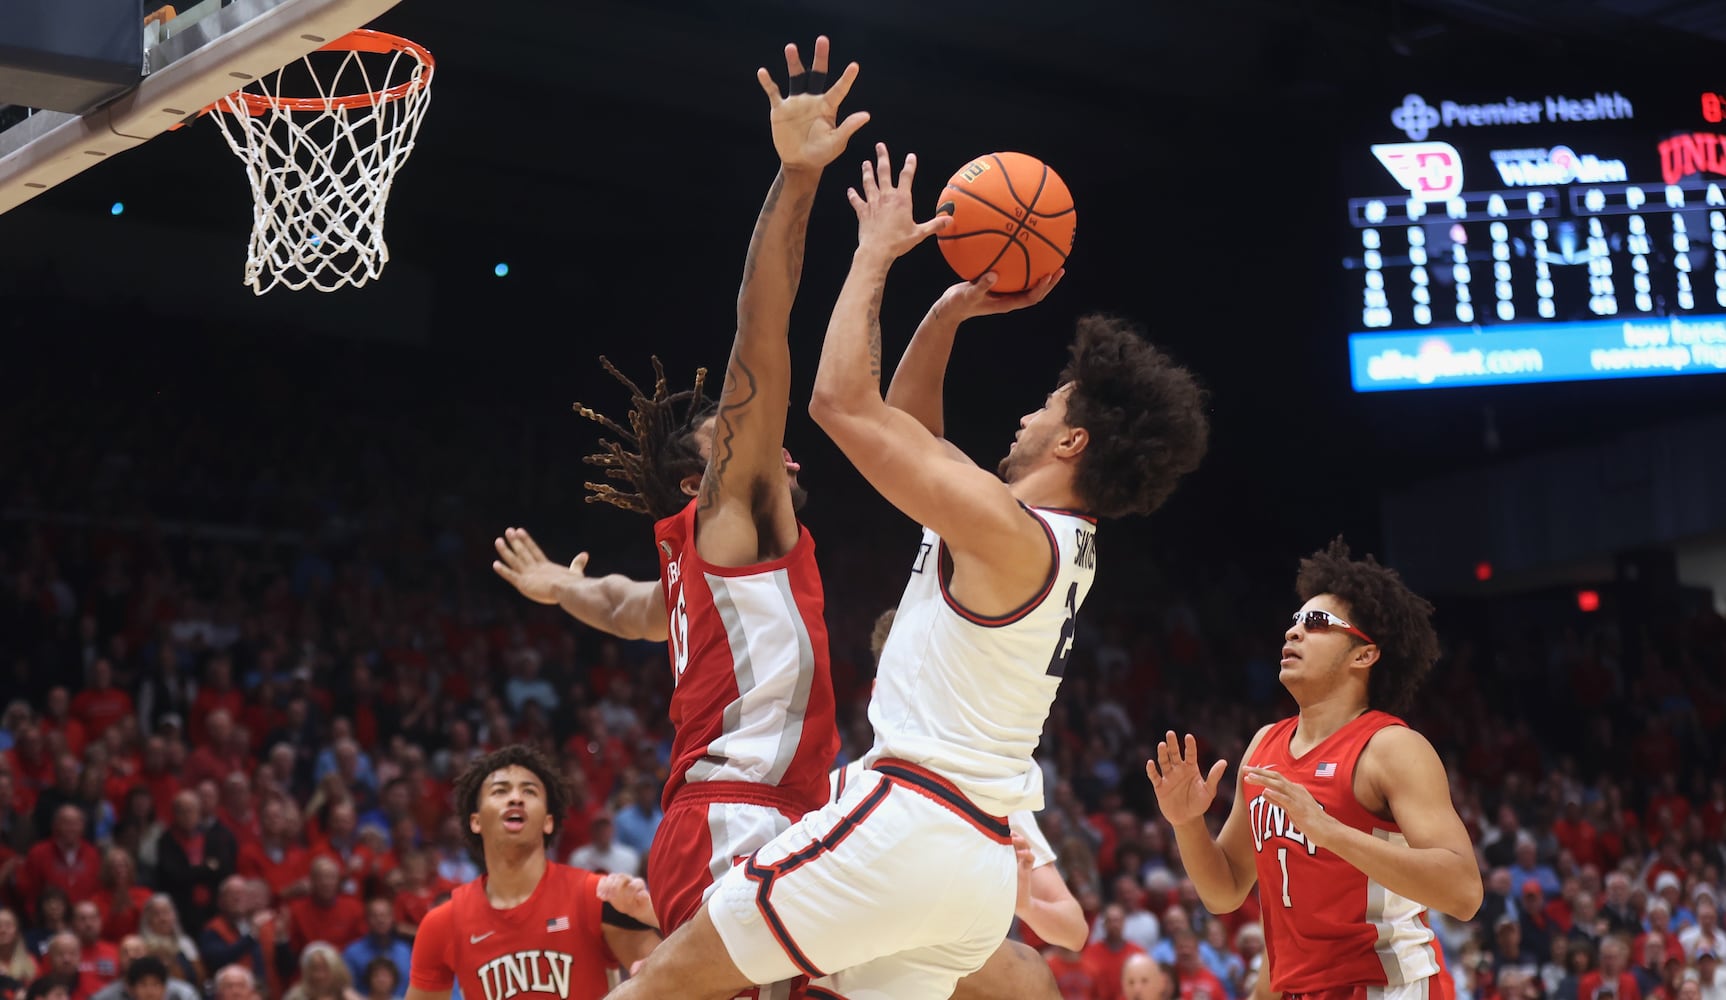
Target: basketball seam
[
  {"x": 1021, "y": 226},
  {"x": 1031, "y": 208}
]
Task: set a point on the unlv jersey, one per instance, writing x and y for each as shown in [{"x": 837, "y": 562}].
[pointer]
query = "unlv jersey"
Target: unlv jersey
[
  {"x": 966, "y": 695},
  {"x": 754, "y": 699},
  {"x": 1327, "y": 926},
  {"x": 552, "y": 945}
]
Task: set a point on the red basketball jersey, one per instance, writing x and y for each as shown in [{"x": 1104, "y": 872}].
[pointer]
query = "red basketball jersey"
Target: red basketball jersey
[
  {"x": 1327, "y": 925},
  {"x": 754, "y": 698},
  {"x": 550, "y": 946}
]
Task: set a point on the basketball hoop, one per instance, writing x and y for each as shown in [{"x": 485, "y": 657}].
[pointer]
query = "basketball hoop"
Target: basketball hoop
[{"x": 321, "y": 167}]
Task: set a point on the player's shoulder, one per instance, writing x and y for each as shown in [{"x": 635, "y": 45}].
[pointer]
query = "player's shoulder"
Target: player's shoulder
[
  {"x": 569, "y": 881},
  {"x": 1396, "y": 739},
  {"x": 435, "y": 928}
]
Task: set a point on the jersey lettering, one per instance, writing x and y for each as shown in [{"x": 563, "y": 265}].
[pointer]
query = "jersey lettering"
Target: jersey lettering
[
  {"x": 536, "y": 971},
  {"x": 922, "y": 557},
  {"x": 1085, "y": 551},
  {"x": 1272, "y": 821}
]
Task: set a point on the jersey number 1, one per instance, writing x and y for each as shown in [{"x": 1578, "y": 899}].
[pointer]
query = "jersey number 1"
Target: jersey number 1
[{"x": 1283, "y": 860}]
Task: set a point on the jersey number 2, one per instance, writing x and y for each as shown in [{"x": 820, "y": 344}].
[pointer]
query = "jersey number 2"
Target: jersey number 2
[
  {"x": 1283, "y": 860},
  {"x": 1064, "y": 648}
]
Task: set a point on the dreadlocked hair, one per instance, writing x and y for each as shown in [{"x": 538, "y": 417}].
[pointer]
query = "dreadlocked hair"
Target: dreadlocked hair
[
  {"x": 1382, "y": 606},
  {"x": 657, "y": 451}
]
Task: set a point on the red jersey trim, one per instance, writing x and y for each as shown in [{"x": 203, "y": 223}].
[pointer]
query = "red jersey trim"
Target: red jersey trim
[
  {"x": 1081, "y": 515},
  {"x": 997, "y": 621},
  {"x": 804, "y": 540}
]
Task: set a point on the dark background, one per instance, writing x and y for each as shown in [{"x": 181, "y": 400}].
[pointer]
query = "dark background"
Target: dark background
[{"x": 614, "y": 155}]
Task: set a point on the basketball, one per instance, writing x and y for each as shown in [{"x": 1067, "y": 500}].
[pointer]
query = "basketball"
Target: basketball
[{"x": 1011, "y": 215}]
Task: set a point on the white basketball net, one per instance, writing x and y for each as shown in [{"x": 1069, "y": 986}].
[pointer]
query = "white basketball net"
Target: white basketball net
[{"x": 321, "y": 174}]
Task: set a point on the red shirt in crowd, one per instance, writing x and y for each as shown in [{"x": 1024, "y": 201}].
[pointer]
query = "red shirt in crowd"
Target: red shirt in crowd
[
  {"x": 1071, "y": 977},
  {"x": 98, "y": 965},
  {"x": 121, "y": 921},
  {"x": 341, "y": 922},
  {"x": 1201, "y": 984},
  {"x": 278, "y": 870},
  {"x": 98, "y": 710},
  {"x": 79, "y": 873},
  {"x": 1591, "y": 983},
  {"x": 1104, "y": 964}
]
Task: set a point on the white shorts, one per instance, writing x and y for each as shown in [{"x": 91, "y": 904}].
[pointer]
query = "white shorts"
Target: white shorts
[{"x": 898, "y": 890}]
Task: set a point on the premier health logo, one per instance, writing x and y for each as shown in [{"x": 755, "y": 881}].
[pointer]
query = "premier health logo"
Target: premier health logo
[{"x": 1415, "y": 117}]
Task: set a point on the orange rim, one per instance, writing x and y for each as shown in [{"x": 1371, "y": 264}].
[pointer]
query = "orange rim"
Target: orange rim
[{"x": 361, "y": 40}]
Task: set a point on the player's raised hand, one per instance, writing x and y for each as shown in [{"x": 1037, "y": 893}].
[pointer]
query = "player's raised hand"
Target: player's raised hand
[
  {"x": 975, "y": 298},
  {"x": 884, "y": 222},
  {"x": 520, "y": 561},
  {"x": 1183, "y": 792},
  {"x": 807, "y": 132},
  {"x": 628, "y": 895}
]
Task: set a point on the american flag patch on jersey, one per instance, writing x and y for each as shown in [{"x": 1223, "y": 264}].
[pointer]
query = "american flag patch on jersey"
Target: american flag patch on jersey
[
  {"x": 1326, "y": 769},
  {"x": 560, "y": 924}
]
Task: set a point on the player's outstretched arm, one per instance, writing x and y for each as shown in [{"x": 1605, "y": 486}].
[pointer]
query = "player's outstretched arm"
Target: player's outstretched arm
[
  {"x": 918, "y": 382},
  {"x": 969, "y": 508},
  {"x": 1222, "y": 870},
  {"x": 744, "y": 494},
  {"x": 615, "y": 604},
  {"x": 1051, "y": 910},
  {"x": 1436, "y": 867}
]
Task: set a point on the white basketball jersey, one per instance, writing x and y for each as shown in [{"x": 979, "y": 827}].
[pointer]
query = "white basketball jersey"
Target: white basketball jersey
[{"x": 965, "y": 695}]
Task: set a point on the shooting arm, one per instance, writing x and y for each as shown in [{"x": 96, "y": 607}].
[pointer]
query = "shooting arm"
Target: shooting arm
[
  {"x": 1222, "y": 870},
  {"x": 616, "y": 605}
]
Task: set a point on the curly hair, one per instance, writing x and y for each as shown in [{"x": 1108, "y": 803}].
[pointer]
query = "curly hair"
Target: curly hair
[
  {"x": 657, "y": 451},
  {"x": 472, "y": 781},
  {"x": 1145, "y": 415},
  {"x": 1382, "y": 606}
]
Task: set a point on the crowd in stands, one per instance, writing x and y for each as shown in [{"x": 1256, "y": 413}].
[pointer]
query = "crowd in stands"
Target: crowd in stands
[{"x": 236, "y": 693}]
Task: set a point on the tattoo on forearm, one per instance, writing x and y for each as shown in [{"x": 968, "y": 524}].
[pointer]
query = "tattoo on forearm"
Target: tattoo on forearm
[
  {"x": 875, "y": 329},
  {"x": 740, "y": 390},
  {"x": 755, "y": 238},
  {"x": 799, "y": 234}
]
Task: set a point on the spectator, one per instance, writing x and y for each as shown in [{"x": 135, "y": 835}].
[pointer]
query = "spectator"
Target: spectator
[
  {"x": 1557, "y": 966},
  {"x": 379, "y": 942},
  {"x": 639, "y": 819},
  {"x": 602, "y": 854},
  {"x": 193, "y": 859},
  {"x": 1175, "y": 920},
  {"x": 235, "y": 982},
  {"x": 1104, "y": 959},
  {"x": 58, "y": 720},
  {"x": 63, "y": 965},
  {"x": 1528, "y": 868},
  {"x": 1710, "y": 977},
  {"x": 1705, "y": 935},
  {"x": 382, "y": 980},
  {"x": 1196, "y": 981},
  {"x": 134, "y": 954},
  {"x": 1579, "y": 962},
  {"x": 418, "y": 892},
  {"x": 53, "y": 915},
  {"x": 49, "y": 988},
  {"x": 1509, "y": 952},
  {"x": 101, "y": 705},
  {"x": 1650, "y": 972},
  {"x": 161, "y": 930},
  {"x": 1142, "y": 927},
  {"x": 454, "y": 864},
  {"x": 323, "y": 975},
  {"x": 1621, "y": 916},
  {"x": 1223, "y": 963},
  {"x": 98, "y": 960},
  {"x": 228, "y": 937},
  {"x": 16, "y": 960},
  {"x": 215, "y": 759},
  {"x": 1497, "y": 899},
  {"x": 1072, "y": 976},
  {"x": 1143, "y": 979},
  {"x": 121, "y": 899},
  {"x": 325, "y": 914},
  {"x": 1588, "y": 924},
  {"x": 1612, "y": 977},
  {"x": 65, "y": 861},
  {"x": 342, "y": 844},
  {"x": 275, "y": 858},
  {"x": 395, "y": 804},
  {"x": 238, "y": 812}
]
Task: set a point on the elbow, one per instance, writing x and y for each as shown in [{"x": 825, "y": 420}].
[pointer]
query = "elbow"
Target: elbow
[
  {"x": 825, "y": 408},
  {"x": 1468, "y": 901},
  {"x": 1072, "y": 936}
]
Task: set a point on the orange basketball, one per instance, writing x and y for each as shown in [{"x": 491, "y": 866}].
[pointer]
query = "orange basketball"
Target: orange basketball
[{"x": 1011, "y": 215}]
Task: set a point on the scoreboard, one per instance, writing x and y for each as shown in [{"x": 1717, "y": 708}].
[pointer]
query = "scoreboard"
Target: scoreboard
[{"x": 1531, "y": 237}]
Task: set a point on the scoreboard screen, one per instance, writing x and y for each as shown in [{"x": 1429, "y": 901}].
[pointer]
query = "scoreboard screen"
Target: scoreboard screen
[{"x": 1537, "y": 237}]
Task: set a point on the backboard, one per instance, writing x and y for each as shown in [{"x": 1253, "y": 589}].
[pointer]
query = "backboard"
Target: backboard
[{"x": 190, "y": 61}]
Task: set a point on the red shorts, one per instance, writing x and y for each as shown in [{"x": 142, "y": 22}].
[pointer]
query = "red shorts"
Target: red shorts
[{"x": 710, "y": 826}]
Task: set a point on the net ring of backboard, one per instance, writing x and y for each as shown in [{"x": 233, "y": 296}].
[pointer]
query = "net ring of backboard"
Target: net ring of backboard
[{"x": 321, "y": 166}]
